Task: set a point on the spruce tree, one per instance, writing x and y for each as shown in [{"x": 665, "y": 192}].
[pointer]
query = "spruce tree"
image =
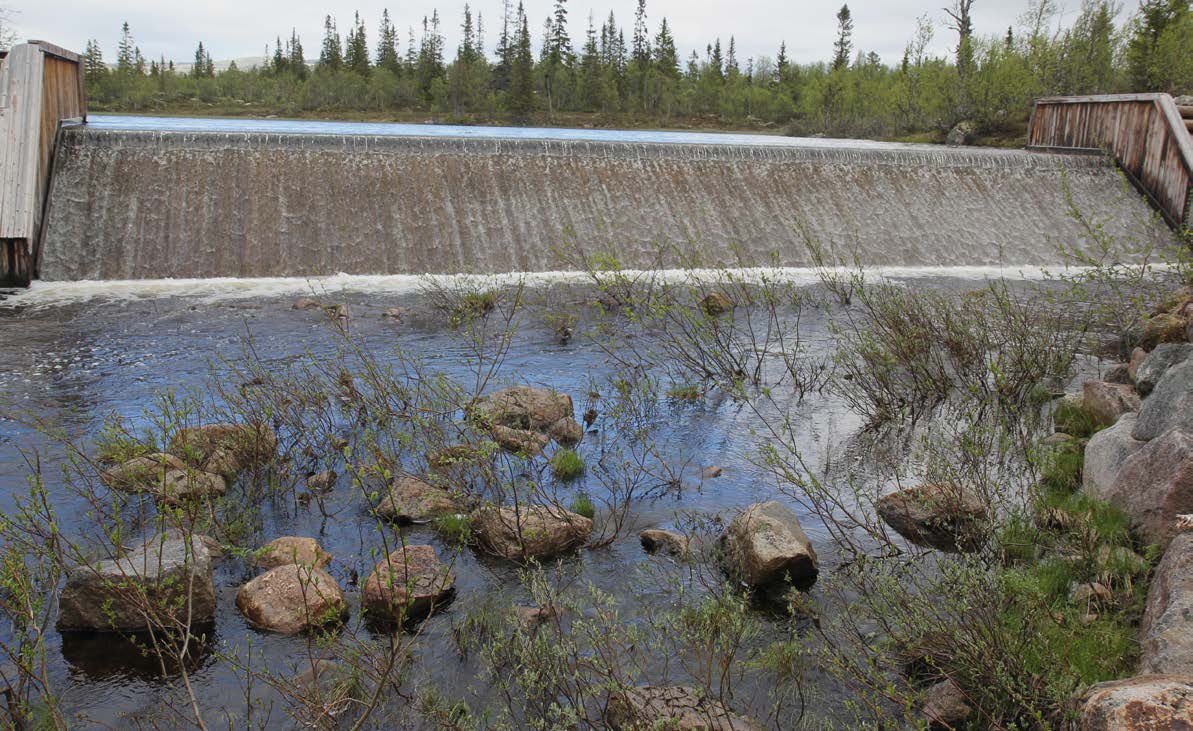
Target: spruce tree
[
  {"x": 843, "y": 46},
  {"x": 387, "y": 46},
  {"x": 298, "y": 61},
  {"x": 93, "y": 62},
  {"x": 331, "y": 55},
  {"x": 125, "y": 60},
  {"x": 520, "y": 98},
  {"x": 356, "y": 55}
]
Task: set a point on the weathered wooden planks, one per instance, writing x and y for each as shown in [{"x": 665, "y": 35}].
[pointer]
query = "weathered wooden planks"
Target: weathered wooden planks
[
  {"x": 40, "y": 86},
  {"x": 1144, "y": 132}
]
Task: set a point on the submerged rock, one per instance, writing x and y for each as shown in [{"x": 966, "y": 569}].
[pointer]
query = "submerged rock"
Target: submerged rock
[
  {"x": 530, "y": 531},
  {"x": 711, "y": 472},
  {"x": 672, "y": 707},
  {"x": 1157, "y": 363},
  {"x": 411, "y": 500},
  {"x": 409, "y": 583},
  {"x": 293, "y": 550},
  {"x": 1166, "y": 632},
  {"x": 168, "y": 576},
  {"x": 524, "y": 407},
  {"x": 306, "y": 303},
  {"x": 1142, "y": 703},
  {"x": 1108, "y": 401},
  {"x": 322, "y": 481},
  {"x": 1155, "y": 485},
  {"x": 183, "y": 486},
  {"x": 330, "y": 684},
  {"x": 290, "y": 599},
  {"x": 766, "y": 546},
  {"x": 1105, "y": 454},
  {"x": 942, "y": 516},
  {"x": 664, "y": 541}
]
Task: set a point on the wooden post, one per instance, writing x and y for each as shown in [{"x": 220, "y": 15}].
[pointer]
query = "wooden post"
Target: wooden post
[{"x": 41, "y": 86}]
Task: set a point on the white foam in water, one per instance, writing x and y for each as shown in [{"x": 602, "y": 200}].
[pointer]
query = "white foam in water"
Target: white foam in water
[{"x": 55, "y": 294}]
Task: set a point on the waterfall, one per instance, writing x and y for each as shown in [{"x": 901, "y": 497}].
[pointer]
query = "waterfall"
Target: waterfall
[{"x": 132, "y": 204}]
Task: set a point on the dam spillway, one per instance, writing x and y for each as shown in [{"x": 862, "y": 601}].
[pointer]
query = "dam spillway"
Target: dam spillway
[{"x": 130, "y": 201}]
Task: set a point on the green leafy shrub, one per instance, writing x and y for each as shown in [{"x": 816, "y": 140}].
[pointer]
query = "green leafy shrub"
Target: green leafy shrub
[{"x": 567, "y": 464}]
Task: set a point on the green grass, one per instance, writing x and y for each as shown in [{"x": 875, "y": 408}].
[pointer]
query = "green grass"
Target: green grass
[
  {"x": 582, "y": 505},
  {"x": 567, "y": 464},
  {"x": 454, "y": 528},
  {"x": 685, "y": 392},
  {"x": 1073, "y": 419}
]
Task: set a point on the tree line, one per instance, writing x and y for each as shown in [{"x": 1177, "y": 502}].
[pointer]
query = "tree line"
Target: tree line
[{"x": 640, "y": 76}]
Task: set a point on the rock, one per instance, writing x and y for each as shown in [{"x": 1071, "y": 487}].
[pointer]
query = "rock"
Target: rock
[
  {"x": 716, "y": 303},
  {"x": 1166, "y": 632},
  {"x": 394, "y": 313},
  {"x": 113, "y": 594},
  {"x": 675, "y": 708},
  {"x": 524, "y": 441},
  {"x": 1090, "y": 593},
  {"x": 943, "y": 516},
  {"x": 946, "y": 705},
  {"x": 411, "y": 500},
  {"x": 291, "y": 598},
  {"x": 409, "y": 583},
  {"x": 214, "y": 550},
  {"x": 184, "y": 486},
  {"x": 1105, "y": 454},
  {"x": 1164, "y": 328},
  {"x": 530, "y": 531},
  {"x": 524, "y": 407},
  {"x": 1108, "y": 401},
  {"x": 1142, "y": 703},
  {"x": 1119, "y": 373},
  {"x": 1138, "y": 355},
  {"x": 329, "y": 684},
  {"x": 664, "y": 541},
  {"x": 321, "y": 481},
  {"x": 225, "y": 449},
  {"x": 766, "y": 546},
  {"x": 533, "y": 616},
  {"x": 141, "y": 473},
  {"x": 709, "y": 473},
  {"x": 566, "y": 432},
  {"x": 305, "y": 303},
  {"x": 1155, "y": 485},
  {"x": 1157, "y": 363},
  {"x": 962, "y": 133},
  {"x": 293, "y": 550}
]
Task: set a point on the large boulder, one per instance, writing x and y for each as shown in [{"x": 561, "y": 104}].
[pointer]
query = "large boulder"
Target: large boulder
[
  {"x": 1142, "y": 703},
  {"x": 523, "y": 407},
  {"x": 411, "y": 500},
  {"x": 523, "y": 441},
  {"x": 183, "y": 486},
  {"x": 1105, "y": 453},
  {"x": 1166, "y": 633},
  {"x": 567, "y": 431},
  {"x": 946, "y": 705},
  {"x": 675, "y": 708},
  {"x": 1170, "y": 404},
  {"x": 716, "y": 303},
  {"x": 1155, "y": 485},
  {"x": 167, "y": 577},
  {"x": 409, "y": 583},
  {"x": 1157, "y": 363},
  {"x": 530, "y": 531},
  {"x": 290, "y": 599},
  {"x": 293, "y": 550},
  {"x": 1108, "y": 401},
  {"x": 225, "y": 449},
  {"x": 655, "y": 540},
  {"x": 766, "y": 546},
  {"x": 943, "y": 516}
]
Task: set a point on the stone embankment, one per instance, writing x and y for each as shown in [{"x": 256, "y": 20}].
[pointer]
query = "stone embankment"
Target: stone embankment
[{"x": 1143, "y": 465}]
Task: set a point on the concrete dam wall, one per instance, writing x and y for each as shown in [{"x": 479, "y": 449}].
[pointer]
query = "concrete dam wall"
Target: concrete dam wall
[{"x": 149, "y": 204}]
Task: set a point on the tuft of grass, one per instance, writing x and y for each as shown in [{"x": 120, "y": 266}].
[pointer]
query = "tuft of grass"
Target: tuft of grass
[
  {"x": 1062, "y": 470},
  {"x": 582, "y": 505},
  {"x": 567, "y": 464},
  {"x": 685, "y": 392},
  {"x": 1073, "y": 419},
  {"x": 454, "y": 528}
]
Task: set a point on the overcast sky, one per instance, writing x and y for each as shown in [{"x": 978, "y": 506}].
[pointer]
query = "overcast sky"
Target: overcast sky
[{"x": 241, "y": 28}]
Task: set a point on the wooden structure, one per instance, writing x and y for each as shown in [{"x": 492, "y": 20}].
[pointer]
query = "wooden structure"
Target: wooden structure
[
  {"x": 1149, "y": 136},
  {"x": 41, "y": 86}
]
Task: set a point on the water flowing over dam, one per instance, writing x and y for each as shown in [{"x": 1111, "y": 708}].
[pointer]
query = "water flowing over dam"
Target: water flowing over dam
[{"x": 210, "y": 201}]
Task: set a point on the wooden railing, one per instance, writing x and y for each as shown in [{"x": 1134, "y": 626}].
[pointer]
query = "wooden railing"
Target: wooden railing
[
  {"x": 1144, "y": 133},
  {"x": 41, "y": 85}
]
